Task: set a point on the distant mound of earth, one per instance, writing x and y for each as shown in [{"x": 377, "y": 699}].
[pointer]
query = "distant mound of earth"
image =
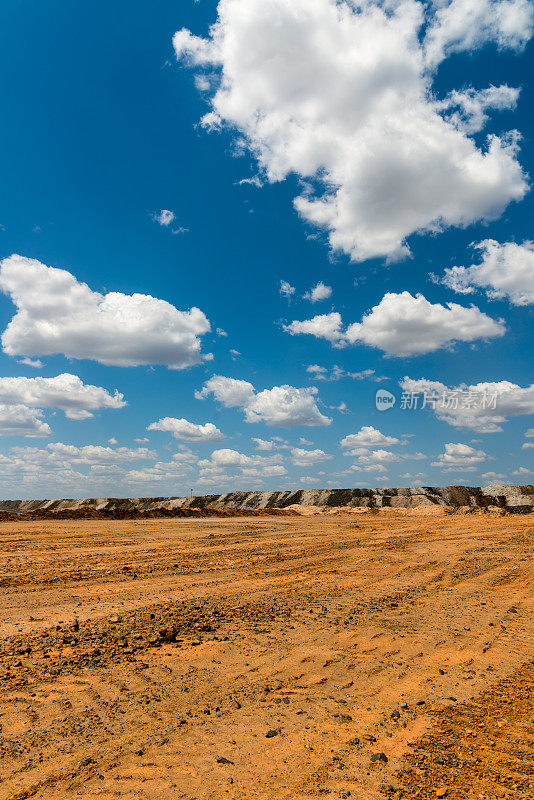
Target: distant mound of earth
[{"x": 430, "y": 499}]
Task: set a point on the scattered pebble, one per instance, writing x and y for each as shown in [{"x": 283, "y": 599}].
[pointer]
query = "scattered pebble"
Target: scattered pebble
[{"x": 382, "y": 757}]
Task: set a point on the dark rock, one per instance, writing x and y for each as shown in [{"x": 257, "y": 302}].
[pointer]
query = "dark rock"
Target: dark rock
[{"x": 382, "y": 757}]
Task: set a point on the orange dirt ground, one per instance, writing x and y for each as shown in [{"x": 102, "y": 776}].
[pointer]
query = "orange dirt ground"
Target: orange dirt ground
[{"x": 268, "y": 657}]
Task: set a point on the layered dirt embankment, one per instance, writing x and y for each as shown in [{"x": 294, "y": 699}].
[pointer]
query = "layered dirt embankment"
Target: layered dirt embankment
[{"x": 515, "y": 499}]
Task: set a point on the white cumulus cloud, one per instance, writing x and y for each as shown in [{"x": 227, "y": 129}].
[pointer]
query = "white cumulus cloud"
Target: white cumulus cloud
[
  {"x": 68, "y": 392},
  {"x": 19, "y": 420},
  {"x": 505, "y": 271},
  {"x": 187, "y": 431},
  {"x": 482, "y": 407},
  {"x": 319, "y": 292},
  {"x": 265, "y": 445},
  {"x": 58, "y": 314},
  {"x": 404, "y": 325},
  {"x": 306, "y": 458},
  {"x": 368, "y": 436},
  {"x": 323, "y": 326},
  {"x": 165, "y": 217},
  {"x": 215, "y": 469},
  {"x": 459, "y": 455},
  {"x": 231, "y": 392},
  {"x": 341, "y": 94},
  {"x": 34, "y": 363},
  {"x": 282, "y": 406}
]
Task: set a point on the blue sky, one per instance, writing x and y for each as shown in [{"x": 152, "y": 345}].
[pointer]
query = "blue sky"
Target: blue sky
[{"x": 362, "y": 132}]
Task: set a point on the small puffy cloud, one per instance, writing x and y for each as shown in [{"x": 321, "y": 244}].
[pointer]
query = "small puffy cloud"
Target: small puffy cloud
[
  {"x": 404, "y": 325},
  {"x": 323, "y": 326},
  {"x": 379, "y": 456},
  {"x": 67, "y": 392},
  {"x": 481, "y": 407},
  {"x": 529, "y": 433},
  {"x": 506, "y": 271},
  {"x": 413, "y": 476},
  {"x": 264, "y": 444},
  {"x": 522, "y": 471},
  {"x": 34, "y": 363},
  {"x": 368, "y": 436},
  {"x": 286, "y": 290},
  {"x": 459, "y": 455},
  {"x": 58, "y": 314},
  {"x": 231, "y": 458},
  {"x": 342, "y": 408},
  {"x": 19, "y": 420},
  {"x": 282, "y": 406},
  {"x": 231, "y": 392},
  {"x": 528, "y": 446},
  {"x": 317, "y": 371},
  {"x": 306, "y": 458},
  {"x": 372, "y": 459},
  {"x": 493, "y": 476},
  {"x": 112, "y": 441},
  {"x": 215, "y": 468},
  {"x": 343, "y": 96},
  {"x": 160, "y": 472},
  {"x": 285, "y": 407},
  {"x": 268, "y": 471},
  {"x": 165, "y": 217},
  {"x": 142, "y": 440},
  {"x": 187, "y": 431},
  {"x": 318, "y": 293}
]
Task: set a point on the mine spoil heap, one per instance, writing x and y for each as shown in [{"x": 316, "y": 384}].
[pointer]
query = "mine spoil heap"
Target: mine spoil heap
[{"x": 507, "y": 498}]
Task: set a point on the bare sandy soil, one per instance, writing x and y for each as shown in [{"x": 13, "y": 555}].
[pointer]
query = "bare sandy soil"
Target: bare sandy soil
[{"x": 359, "y": 657}]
